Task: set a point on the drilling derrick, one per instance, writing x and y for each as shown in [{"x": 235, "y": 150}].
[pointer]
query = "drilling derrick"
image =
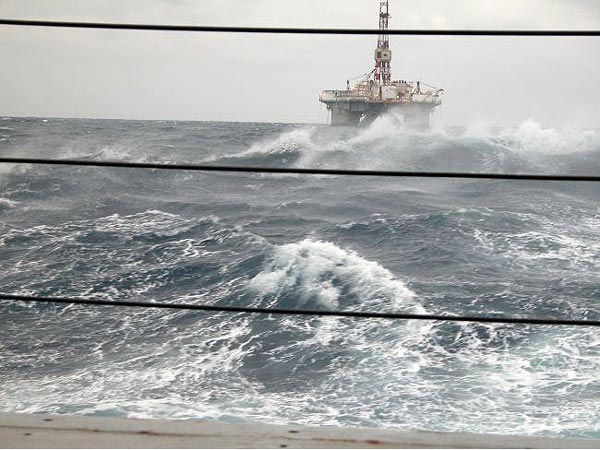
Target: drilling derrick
[
  {"x": 383, "y": 54},
  {"x": 377, "y": 93}
]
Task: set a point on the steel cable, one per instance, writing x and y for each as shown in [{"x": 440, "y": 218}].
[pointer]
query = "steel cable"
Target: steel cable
[
  {"x": 298, "y": 312},
  {"x": 299, "y": 171},
  {"x": 293, "y": 30}
]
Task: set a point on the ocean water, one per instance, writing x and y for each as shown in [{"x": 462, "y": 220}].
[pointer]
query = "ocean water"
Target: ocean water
[{"x": 510, "y": 248}]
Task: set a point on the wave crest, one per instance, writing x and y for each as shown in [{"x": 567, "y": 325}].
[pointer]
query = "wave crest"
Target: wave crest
[{"x": 321, "y": 272}]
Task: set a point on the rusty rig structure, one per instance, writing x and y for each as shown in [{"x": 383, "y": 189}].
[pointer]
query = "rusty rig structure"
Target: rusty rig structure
[{"x": 376, "y": 93}]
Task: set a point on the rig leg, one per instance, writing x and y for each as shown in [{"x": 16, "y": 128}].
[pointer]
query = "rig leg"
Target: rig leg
[
  {"x": 418, "y": 120},
  {"x": 343, "y": 116}
]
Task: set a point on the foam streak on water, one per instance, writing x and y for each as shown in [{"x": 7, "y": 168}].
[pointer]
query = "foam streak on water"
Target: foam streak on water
[{"x": 406, "y": 245}]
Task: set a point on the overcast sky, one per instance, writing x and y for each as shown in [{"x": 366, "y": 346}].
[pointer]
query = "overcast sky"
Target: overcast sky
[{"x": 195, "y": 76}]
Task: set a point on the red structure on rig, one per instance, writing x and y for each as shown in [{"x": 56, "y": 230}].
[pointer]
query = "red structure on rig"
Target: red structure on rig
[{"x": 383, "y": 54}]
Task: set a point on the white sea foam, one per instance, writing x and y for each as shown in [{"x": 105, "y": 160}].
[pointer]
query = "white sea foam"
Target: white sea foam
[
  {"x": 570, "y": 245},
  {"x": 387, "y": 126},
  {"x": 158, "y": 223},
  {"x": 531, "y": 137},
  {"x": 288, "y": 143},
  {"x": 14, "y": 168},
  {"x": 8, "y": 202},
  {"x": 528, "y": 138},
  {"x": 385, "y": 143},
  {"x": 119, "y": 152},
  {"x": 322, "y": 270}
]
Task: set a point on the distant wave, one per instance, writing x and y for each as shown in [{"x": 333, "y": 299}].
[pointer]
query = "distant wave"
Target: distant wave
[{"x": 384, "y": 145}]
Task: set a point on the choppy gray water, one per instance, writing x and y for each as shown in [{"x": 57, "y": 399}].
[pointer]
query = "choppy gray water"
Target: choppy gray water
[{"x": 437, "y": 246}]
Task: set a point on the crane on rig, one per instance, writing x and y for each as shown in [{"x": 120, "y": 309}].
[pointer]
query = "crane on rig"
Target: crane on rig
[{"x": 377, "y": 93}]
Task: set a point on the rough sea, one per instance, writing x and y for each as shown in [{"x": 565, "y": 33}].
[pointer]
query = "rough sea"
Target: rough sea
[{"x": 470, "y": 247}]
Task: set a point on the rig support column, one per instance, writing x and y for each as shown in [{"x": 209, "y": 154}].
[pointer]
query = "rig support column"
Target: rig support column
[
  {"x": 344, "y": 114},
  {"x": 416, "y": 117}
]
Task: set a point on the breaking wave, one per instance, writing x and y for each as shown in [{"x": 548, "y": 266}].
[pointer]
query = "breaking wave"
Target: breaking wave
[
  {"x": 322, "y": 273},
  {"x": 284, "y": 148},
  {"x": 383, "y": 145}
]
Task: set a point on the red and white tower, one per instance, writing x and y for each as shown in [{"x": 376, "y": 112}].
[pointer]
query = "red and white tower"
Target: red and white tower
[{"x": 383, "y": 54}]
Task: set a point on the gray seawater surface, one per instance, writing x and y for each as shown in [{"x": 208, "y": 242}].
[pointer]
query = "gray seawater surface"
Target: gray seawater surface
[{"x": 322, "y": 242}]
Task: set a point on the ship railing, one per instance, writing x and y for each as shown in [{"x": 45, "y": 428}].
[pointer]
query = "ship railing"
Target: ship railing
[
  {"x": 436, "y": 99},
  {"x": 341, "y": 93}
]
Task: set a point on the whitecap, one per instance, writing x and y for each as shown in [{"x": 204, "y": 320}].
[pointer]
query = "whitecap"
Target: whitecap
[
  {"x": 531, "y": 137},
  {"x": 288, "y": 143},
  {"x": 321, "y": 270},
  {"x": 8, "y": 202}
]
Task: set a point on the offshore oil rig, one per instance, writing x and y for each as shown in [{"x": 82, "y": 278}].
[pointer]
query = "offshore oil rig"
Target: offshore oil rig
[{"x": 376, "y": 93}]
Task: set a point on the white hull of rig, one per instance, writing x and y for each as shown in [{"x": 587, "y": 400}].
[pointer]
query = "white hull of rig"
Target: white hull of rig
[{"x": 353, "y": 107}]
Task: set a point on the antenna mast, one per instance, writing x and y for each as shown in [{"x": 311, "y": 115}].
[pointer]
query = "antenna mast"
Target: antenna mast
[{"x": 383, "y": 54}]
